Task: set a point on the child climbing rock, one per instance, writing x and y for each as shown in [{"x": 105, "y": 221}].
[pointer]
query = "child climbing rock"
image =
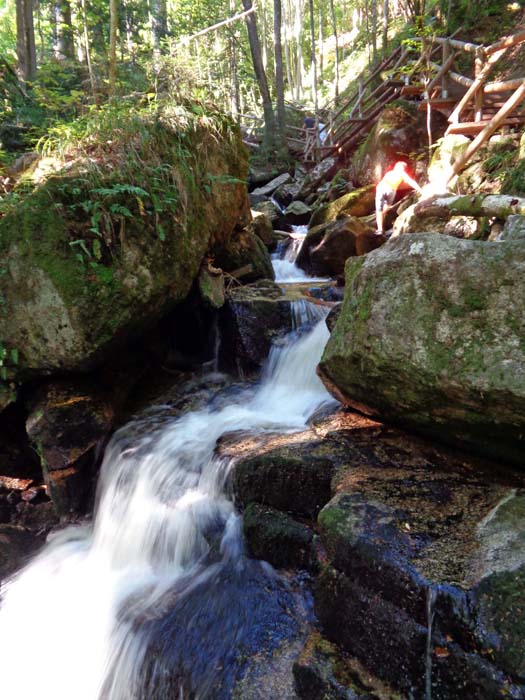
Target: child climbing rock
[{"x": 386, "y": 191}]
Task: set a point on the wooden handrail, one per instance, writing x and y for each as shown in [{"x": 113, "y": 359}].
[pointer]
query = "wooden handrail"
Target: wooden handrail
[
  {"x": 461, "y": 79},
  {"x": 455, "y": 43},
  {"x": 487, "y": 132},
  {"x": 506, "y": 42},
  {"x": 475, "y": 84}
]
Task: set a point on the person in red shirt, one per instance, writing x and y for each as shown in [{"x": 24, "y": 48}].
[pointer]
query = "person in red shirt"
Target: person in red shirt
[{"x": 387, "y": 188}]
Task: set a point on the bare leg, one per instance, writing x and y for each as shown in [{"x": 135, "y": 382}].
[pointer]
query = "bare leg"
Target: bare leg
[{"x": 380, "y": 217}]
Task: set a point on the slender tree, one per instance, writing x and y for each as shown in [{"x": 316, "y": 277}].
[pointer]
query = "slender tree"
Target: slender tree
[
  {"x": 260, "y": 74},
  {"x": 64, "y": 46},
  {"x": 87, "y": 50},
  {"x": 386, "y": 10},
  {"x": 158, "y": 29},
  {"x": 313, "y": 56},
  {"x": 336, "y": 40},
  {"x": 25, "y": 40},
  {"x": 112, "y": 65},
  {"x": 279, "y": 77}
]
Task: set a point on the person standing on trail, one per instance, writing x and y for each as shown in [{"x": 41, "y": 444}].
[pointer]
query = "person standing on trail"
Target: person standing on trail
[{"x": 387, "y": 188}]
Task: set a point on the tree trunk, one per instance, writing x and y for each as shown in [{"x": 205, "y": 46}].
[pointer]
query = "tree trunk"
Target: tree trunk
[
  {"x": 64, "y": 47},
  {"x": 255, "y": 50},
  {"x": 25, "y": 40},
  {"x": 112, "y": 66},
  {"x": 299, "y": 51},
  {"x": 234, "y": 67},
  {"x": 321, "y": 45},
  {"x": 314, "y": 59},
  {"x": 88, "y": 51},
  {"x": 279, "y": 78},
  {"x": 385, "y": 23},
  {"x": 374, "y": 31},
  {"x": 158, "y": 30},
  {"x": 287, "y": 53},
  {"x": 334, "y": 28}
]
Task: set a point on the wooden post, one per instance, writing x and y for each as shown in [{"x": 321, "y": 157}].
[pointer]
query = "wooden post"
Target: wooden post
[
  {"x": 478, "y": 95},
  {"x": 473, "y": 85},
  {"x": 444, "y": 78},
  {"x": 487, "y": 132}
]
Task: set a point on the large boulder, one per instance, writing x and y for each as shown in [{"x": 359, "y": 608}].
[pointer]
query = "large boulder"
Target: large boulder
[
  {"x": 400, "y": 134},
  {"x": 431, "y": 336},
  {"x": 68, "y": 425},
  {"x": 356, "y": 203},
  {"x": 424, "y": 568},
  {"x": 254, "y": 317},
  {"x": 245, "y": 256},
  {"x": 327, "y": 246},
  {"x": 296, "y": 480},
  {"x": 89, "y": 259}
]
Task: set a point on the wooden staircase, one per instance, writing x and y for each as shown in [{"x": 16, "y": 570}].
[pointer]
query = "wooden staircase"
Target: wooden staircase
[{"x": 474, "y": 106}]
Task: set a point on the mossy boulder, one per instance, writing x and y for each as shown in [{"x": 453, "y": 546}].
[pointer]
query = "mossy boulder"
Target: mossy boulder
[
  {"x": 254, "y": 317},
  {"x": 356, "y": 203},
  {"x": 261, "y": 226},
  {"x": 91, "y": 257},
  {"x": 399, "y": 134},
  {"x": 277, "y": 538},
  {"x": 431, "y": 335},
  {"x": 245, "y": 251},
  {"x": 326, "y": 247},
  {"x": 292, "y": 480},
  {"x": 413, "y": 536}
]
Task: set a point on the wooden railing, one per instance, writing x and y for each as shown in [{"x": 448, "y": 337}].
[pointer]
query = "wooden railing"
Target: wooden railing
[{"x": 474, "y": 106}]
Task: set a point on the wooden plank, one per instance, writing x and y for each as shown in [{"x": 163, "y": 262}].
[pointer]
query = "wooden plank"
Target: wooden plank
[
  {"x": 470, "y": 128},
  {"x": 437, "y": 103},
  {"x": 412, "y": 90}
]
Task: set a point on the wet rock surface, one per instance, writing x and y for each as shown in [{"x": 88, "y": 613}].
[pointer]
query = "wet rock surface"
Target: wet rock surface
[
  {"x": 263, "y": 620},
  {"x": 17, "y": 546},
  {"x": 420, "y": 557},
  {"x": 245, "y": 251},
  {"x": 67, "y": 426},
  {"x": 277, "y": 538},
  {"x": 326, "y": 247},
  {"x": 254, "y": 317}
]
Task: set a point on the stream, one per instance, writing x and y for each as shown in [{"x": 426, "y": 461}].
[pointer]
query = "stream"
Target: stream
[{"x": 155, "y": 598}]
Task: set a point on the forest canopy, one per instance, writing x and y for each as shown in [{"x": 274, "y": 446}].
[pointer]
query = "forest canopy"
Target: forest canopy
[{"x": 59, "y": 58}]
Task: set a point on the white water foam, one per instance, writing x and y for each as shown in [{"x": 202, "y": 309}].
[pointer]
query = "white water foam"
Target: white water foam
[
  {"x": 283, "y": 261},
  {"x": 62, "y": 631}
]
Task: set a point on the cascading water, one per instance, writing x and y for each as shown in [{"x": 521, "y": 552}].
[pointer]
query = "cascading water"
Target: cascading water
[
  {"x": 284, "y": 258},
  {"x": 155, "y": 598}
]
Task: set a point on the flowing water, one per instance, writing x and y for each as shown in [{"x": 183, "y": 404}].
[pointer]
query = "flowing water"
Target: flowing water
[
  {"x": 156, "y": 599},
  {"x": 283, "y": 260}
]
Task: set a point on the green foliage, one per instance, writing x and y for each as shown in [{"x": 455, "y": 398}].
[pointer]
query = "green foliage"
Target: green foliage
[{"x": 118, "y": 155}]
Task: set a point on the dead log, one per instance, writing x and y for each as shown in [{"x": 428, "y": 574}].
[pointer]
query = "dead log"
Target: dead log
[{"x": 445, "y": 206}]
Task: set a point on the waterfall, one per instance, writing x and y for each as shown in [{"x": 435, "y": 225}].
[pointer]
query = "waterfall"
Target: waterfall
[
  {"x": 284, "y": 258},
  {"x": 80, "y": 620}
]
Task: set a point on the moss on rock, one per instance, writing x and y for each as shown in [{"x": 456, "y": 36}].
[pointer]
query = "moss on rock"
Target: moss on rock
[
  {"x": 94, "y": 255},
  {"x": 431, "y": 335}
]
